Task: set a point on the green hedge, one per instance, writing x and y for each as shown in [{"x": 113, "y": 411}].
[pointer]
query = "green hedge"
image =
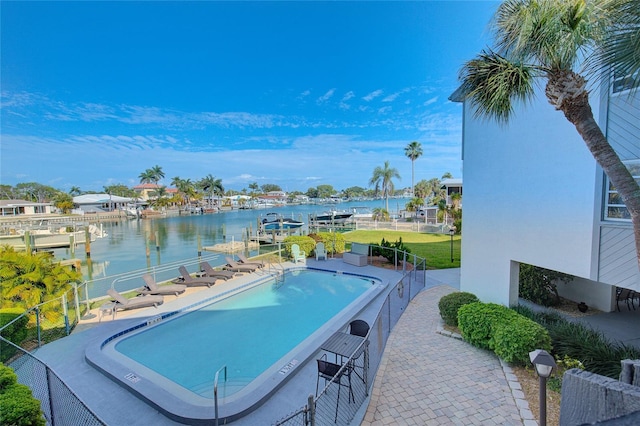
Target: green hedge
[
  {"x": 477, "y": 321},
  {"x": 334, "y": 242},
  {"x": 306, "y": 243},
  {"x": 449, "y": 305},
  {"x": 512, "y": 341},
  {"x": 498, "y": 328},
  {"x": 16, "y": 332},
  {"x": 19, "y": 407}
]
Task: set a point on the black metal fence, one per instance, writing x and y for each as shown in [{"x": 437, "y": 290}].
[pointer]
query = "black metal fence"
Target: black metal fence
[
  {"x": 59, "y": 404},
  {"x": 342, "y": 397}
]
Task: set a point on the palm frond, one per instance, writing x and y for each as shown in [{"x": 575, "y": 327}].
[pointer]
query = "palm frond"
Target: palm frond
[
  {"x": 493, "y": 83},
  {"x": 620, "y": 49}
]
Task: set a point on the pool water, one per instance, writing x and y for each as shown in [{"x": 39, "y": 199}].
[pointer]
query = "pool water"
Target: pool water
[{"x": 248, "y": 332}]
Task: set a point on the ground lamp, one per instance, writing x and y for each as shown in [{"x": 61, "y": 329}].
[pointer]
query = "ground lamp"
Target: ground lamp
[
  {"x": 544, "y": 364},
  {"x": 452, "y": 231}
]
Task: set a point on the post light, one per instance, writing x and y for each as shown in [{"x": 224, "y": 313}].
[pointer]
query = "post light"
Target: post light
[
  {"x": 452, "y": 231},
  {"x": 545, "y": 364}
]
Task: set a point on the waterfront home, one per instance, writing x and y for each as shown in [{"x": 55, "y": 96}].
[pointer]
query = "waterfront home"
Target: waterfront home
[
  {"x": 23, "y": 208},
  {"x": 535, "y": 195}
]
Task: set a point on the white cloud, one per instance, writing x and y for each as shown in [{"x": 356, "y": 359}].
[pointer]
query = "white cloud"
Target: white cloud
[
  {"x": 373, "y": 95},
  {"x": 430, "y": 101},
  {"x": 324, "y": 98}
]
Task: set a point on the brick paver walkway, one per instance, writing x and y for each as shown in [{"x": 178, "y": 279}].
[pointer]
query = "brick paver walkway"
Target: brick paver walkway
[{"x": 426, "y": 378}]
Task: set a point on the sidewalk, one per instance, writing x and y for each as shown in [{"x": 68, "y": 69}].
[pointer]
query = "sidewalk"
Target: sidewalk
[{"x": 428, "y": 378}]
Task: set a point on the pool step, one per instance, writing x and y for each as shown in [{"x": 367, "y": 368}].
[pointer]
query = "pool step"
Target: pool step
[{"x": 225, "y": 388}]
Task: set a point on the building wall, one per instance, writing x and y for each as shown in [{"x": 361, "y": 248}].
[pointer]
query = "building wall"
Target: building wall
[{"x": 532, "y": 193}]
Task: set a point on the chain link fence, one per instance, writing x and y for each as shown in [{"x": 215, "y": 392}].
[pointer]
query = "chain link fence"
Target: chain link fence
[
  {"x": 340, "y": 399},
  {"x": 60, "y": 406}
]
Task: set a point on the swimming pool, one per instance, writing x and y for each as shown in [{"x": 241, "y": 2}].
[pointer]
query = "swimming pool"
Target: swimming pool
[{"x": 260, "y": 333}]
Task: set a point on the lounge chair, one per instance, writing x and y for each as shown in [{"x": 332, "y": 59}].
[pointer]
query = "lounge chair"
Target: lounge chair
[
  {"x": 151, "y": 287},
  {"x": 321, "y": 252},
  {"x": 123, "y": 303},
  {"x": 188, "y": 280},
  {"x": 232, "y": 265},
  {"x": 298, "y": 255},
  {"x": 208, "y": 271},
  {"x": 244, "y": 261}
]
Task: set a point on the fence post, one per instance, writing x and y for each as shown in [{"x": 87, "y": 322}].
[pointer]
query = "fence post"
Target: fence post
[
  {"x": 65, "y": 311},
  {"x": 50, "y": 393},
  {"x": 312, "y": 410},
  {"x": 38, "y": 324}
]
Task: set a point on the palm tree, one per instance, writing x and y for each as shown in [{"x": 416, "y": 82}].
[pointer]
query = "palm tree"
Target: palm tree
[
  {"x": 546, "y": 39},
  {"x": 146, "y": 176},
  {"x": 75, "y": 191},
  {"x": 413, "y": 151},
  {"x": 383, "y": 179},
  {"x": 212, "y": 186},
  {"x": 152, "y": 175}
]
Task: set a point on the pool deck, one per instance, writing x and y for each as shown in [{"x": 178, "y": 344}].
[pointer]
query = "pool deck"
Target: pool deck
[
  {"x": 117, "y": 406},
  {"x": 426, "y": 376}
]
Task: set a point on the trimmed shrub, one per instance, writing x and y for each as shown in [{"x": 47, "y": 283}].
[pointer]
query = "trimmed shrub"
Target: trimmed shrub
[
  {"x": 307, "y": 244},
  {"x": 512, "y": 341},
  {"x": 478, "y": 320},
  {"x": 334, "y": 242},
  {"x": 19, "y": 407},
  {"x": 449, "y": 305},
  {"x": 16, "y": 332}
]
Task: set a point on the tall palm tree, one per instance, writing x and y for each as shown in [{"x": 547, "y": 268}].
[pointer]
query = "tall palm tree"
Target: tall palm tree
[
  {"x": 146, "y": 177},
  {"x": 383, "y": 179},
  {"x": 413, "y": 151},
  {"x": 157, "y": 174},
  {"x": 212, "y": 186},
  {"x": 546, "y": 39},
  {"x": 75, "y": 191},
  {"x": 152, "y": 175}
]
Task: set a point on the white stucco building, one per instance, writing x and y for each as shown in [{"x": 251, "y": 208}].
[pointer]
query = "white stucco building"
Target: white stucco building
[{"x": 534, "y": 194}]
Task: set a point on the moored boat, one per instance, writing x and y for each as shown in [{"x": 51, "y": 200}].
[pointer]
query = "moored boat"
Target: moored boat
[
  {"x": 275, "y": 221},
  {"x": 330, "y": 217}
]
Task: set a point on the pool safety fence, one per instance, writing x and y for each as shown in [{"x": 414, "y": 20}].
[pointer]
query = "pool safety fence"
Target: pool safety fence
[
  {"x": 59, "y": 405},
  {"x": 46, "y": 321},
  {"x": 358, "y": 371},
  {"x": 132, "y": 280}
]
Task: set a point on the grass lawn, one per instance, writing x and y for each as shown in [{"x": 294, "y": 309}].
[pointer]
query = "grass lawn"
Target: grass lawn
[{"x": 436, "y": 248}]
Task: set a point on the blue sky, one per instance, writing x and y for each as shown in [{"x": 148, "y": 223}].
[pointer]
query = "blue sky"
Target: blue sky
[{"x": 297, "y": 94}]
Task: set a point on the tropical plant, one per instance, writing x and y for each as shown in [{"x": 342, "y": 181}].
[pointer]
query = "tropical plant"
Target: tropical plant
[
  {"x": 547, "y": 39},
  {"x": 540, "y": 285},
  {"x": 414, "y": 204},
  {"x": 75, "y": 191},
  {"x": 63, "y": 201},
  {"x": 30, "y": 279},
  {"x": 413, "y": 151},
  {"x": 380, "y": 214},
  {"x": 382, "y": 179},
  {"x": 152, "y": 175},
  {"x": 212, "y": 186}
]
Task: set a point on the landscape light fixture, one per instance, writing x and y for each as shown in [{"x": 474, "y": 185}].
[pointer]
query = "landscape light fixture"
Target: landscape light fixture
[
  {"x": 545, "y": 364},
  {"x": 452, "y": 231}
]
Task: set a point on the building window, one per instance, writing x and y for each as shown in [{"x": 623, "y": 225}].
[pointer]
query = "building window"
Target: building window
[
  {"x": 614, "y": 205},
  {"x": 623, "y": 81}
]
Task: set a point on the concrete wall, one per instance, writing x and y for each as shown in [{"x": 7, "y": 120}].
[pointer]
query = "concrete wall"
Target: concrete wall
[
  {"x": 595, "y": 294},
  {"x": 530, "y": 196}
]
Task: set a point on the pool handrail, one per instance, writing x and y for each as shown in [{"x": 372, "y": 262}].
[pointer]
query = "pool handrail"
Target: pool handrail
[{"x": 215, "y": 389}]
